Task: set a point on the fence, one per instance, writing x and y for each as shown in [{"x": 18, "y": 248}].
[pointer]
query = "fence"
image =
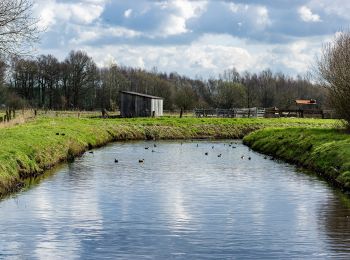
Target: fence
[
  {"x": 234, "y": 112},
  {"x": 9, "y": 117}
]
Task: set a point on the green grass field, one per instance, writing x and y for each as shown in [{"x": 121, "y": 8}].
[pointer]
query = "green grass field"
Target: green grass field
[
  {"x": 325, "y": 151},
  {"x": 31, "y": 148}
]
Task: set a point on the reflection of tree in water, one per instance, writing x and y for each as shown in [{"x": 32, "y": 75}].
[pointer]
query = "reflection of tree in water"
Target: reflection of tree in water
[{"x": 334, "y": 219}]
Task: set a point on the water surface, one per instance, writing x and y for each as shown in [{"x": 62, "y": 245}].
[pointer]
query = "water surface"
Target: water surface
[{"x": 179, "y": 203}]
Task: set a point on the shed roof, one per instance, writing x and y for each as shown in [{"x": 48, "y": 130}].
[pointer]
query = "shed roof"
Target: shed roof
[
  {"x": 305, "y": 101},
  {"x": 140, "y": 94}
]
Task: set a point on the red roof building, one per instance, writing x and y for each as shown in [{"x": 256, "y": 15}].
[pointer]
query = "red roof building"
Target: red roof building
[{"x": 305, "y": 101}]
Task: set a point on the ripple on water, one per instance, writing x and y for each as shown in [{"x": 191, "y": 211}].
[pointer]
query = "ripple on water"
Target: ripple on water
[{"x": 178, "y": 203}]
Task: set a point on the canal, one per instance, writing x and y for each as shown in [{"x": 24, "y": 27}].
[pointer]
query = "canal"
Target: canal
[{"x": 178, "y": 203}]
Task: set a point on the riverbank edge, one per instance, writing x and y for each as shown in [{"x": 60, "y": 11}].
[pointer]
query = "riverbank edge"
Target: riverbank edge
[
  {"x": 30, "y": 149},
  {"x": 63, "y": 143},
  {"x": 325, "y": 152}
]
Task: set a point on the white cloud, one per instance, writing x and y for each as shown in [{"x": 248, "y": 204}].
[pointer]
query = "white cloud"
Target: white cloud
[
  {"x": 128, "y": 13},
  {"x": 85, "y": 36},
  {"x": 94, "y": 33},
  {"x": 257, "y": 14},
  {"x": 238, "y": 7},
  {"x": 211, "y": 54},
  {"x": 180, "y": 11},
  {"x": 337, "y": 8},
  {"x": 299, "y": 56},
  {"x": 262, "y": 16},
  {"x": 307, "y": 16},
  {"x": 51, "y": 12},
  {"x": 206, "y": 56}
]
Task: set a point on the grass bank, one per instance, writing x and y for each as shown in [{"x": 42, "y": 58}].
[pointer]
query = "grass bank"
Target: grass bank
[
  {"x": 31, "y": 148},
  {"x": 325, "y": 151}
]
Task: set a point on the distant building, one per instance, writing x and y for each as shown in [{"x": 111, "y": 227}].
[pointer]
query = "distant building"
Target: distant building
[
  {"x": 306, "y": 104},
  {"x": 133, "y": 104}
]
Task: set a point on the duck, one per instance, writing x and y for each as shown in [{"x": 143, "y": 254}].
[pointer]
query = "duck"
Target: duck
[
  {"x": 153, "y": 151},
  {"x": 116, "y": 160},
  {"x": 141, "y": 160},
  {"x": 146, "y": 148},
  {"x": 154, "y": 145},
  {"x": 91, "y": 151},
  {"x": 249, "y": 158},
  {"x": 219, "y": 155},
  {"x": 242, "y": 157},
  {"x": 212, "y": 147},
  {"x": 206, "y": 153}
]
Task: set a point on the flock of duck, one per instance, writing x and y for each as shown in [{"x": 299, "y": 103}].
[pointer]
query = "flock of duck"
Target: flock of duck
[{"x": 206, "y": 153}]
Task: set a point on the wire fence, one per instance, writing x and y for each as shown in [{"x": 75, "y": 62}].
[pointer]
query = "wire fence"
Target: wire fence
[{"x": 9, "y": 117}]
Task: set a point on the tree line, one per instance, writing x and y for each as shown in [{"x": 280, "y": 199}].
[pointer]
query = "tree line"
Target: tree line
[{"x": 78, "y": 83}]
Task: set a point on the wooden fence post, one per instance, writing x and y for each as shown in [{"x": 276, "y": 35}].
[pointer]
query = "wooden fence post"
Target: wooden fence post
[{"x": 8, "y": 115}]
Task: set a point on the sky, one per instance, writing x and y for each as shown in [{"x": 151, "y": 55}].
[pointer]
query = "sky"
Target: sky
[{"x": 199, "y": 38}]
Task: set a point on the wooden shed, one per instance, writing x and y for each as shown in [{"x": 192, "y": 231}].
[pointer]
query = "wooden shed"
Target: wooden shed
[{"x": 133, "y": 104}]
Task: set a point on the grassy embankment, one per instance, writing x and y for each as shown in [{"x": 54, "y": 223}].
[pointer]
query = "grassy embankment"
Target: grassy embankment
[
  {"x": 31, "y": 148},
  {"x": 325, "y": 151}
]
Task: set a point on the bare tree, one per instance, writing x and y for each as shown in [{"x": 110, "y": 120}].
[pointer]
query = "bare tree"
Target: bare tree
[
  {"x": 48, "y": 79},
  {"x": 82, "y": 78},
  {"x": 333, "y": 69},
  {"x": 18, "y": 27}
]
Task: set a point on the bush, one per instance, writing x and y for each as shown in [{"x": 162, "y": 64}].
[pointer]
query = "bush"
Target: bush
[{"x": 333, "y": 69}]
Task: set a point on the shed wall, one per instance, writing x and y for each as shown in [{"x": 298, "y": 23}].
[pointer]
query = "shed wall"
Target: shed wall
[
  {"x": 157, "y": 107},
  {"x": 139, "y": 106}
]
